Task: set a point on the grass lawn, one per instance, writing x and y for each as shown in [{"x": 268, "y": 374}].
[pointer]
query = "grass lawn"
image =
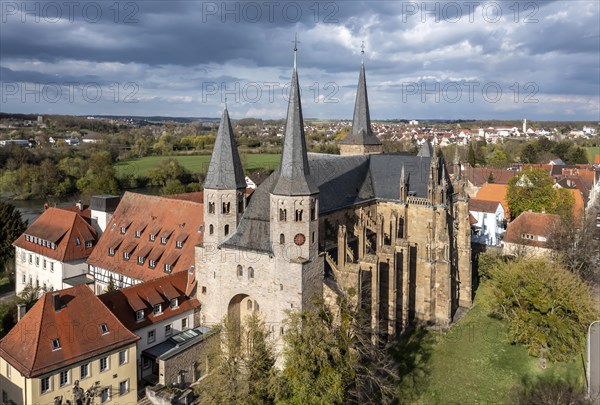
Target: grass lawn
[
  {"x": 195, "y": 164},
  {"x": 591, "y": 152},
  {"x": 473, "y": 363}
]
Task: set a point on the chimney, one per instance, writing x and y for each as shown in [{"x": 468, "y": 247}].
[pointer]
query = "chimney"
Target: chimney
[
  {"x": 21, "y": 310},
  {"x": 79, "y": 205},
  {"x": 56, "y": 300}
]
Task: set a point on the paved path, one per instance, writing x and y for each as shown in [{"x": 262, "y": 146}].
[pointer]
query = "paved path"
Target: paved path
[{"x": 7, "y": 295}]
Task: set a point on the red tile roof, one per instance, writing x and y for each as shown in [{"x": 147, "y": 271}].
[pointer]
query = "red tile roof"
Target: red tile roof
[
  {"x": 29, "y": 348},
  {"x": 67, "y": 229},
  {"x": 151, "y": 215},
  {"x": 531, "y": 223},
  {"x": 480, "y": 175},
  {"x": 494, "y": 192},
  {"x": 483, "y": 205},
  {"x": 125, "y": 302}
]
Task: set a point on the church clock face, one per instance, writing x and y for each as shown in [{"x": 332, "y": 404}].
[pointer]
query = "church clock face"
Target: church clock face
[{"x": 299, "y": 239}]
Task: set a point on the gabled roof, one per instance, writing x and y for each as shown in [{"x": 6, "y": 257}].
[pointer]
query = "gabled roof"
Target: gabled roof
[
  {"x": 151, "y": 215},
  {"x": 361, "y": 133},
  {"x": 29, "y": 348},
  {"x": 343, "y": 181},
  {"x": 293, "y": 175},
  {"x": 68, "y": 230},
  {"x": 483, "y": 205},
  {"x": 225, "y": 171},
  {"x": 480, "y": 175},
  {"x": 125, "y": 302},
  {"x": 531, "y": 223},
  {"x": 494, "y": 192}
]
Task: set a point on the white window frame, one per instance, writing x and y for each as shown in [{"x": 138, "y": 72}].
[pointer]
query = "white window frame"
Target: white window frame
[
  {"x": 151, "y": 339},
  {"x": 85, "y": 367},
  {"x": 126, "y": 391},
  {"x": 169, "y": 329},
  {"x": 107, "y": 361},
  {"x": 106, "y": 399},
  {"x": 139, "y": 315},
  {"x": 67, "y": 375},
  {"x": 125, "y": 357},
  {"x": 48, "y": 383}
]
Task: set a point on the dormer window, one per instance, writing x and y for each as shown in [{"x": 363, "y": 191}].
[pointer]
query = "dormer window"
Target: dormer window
[
  {"x": 138, "y": 234},
  {"x": 111, "y": 251},
  {"x": 152, "y": 264},
  {"x": 89, "y": 244},
  {"x": 139, "y": 315},
  {"x": 152, "y": 237},
  {"x": 55, "y": 344},
  {"x": 104, "y": 328},
  {"x": 157, "y": 309},
  {"x": 77, "y": 241},
  {"x": 141, "y": 260},
  {"x": 168, "y": 268},
  {"x": 179, "y": 244},
  {"x": 174, "y": 303},
  {"x": 125, "y": 256},
  {"x": 163, "y": 241},
  {"x": 123, "y": 229}
]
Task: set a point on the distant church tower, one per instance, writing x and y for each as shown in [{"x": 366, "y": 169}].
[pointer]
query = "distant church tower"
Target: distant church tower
[
  {"x": 360, "y": 140},
  {"x": 224, "y": 188}
]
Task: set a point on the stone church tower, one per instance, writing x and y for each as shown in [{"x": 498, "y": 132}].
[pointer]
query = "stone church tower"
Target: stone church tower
[
  {"x": 360, "y": 140},
  {"x": 225, "y": 186}
]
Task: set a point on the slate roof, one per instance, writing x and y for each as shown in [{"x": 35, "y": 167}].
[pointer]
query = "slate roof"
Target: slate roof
[
  {"x": 149, "y": 215},
  {"x": 225, "y": 171},
  {"x": 63, "y": 228},
  {"x": 361, "y": 133},
  {"x": 124, "y": 302},
  {"x": 294, "y": 177},
  {"x": 342, "y": 181},
  {"x": 28, "y": 346}
]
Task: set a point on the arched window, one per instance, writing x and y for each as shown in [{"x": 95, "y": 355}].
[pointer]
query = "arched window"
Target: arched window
[
  {"x": 281, "y": 238},
  {"x": 226, "y": 229},
  {"x": 211, "y": 229},
  {"x": 211, "y": 208},
  {"x": 282, "y": 214},
  {"x": 240, "y": 270},
  {"x": 298, "y": 215},
  {"x": 250, "y": 272},
  {"x": 249, "y": 305}
]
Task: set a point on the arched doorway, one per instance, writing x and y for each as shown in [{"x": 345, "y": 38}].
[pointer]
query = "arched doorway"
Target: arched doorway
[{"x": 241, "y": 306}]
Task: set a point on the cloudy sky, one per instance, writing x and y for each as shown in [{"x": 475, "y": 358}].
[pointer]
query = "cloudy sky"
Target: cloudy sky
[{"x": 443, "y": 60}]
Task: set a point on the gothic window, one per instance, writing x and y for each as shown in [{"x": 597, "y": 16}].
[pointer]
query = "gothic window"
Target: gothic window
[
  {"x": 211, "y": 208},
  {"x": 211, "y": 229},
  {"x": 250, "y": 272},
  {"x": 282, "y": 214},
  {"x": 281, "y": 239},
  {"x": 226, "y": 229},
  {"x": 298, "y": 215},
  {"x": 240, "y": 271}
]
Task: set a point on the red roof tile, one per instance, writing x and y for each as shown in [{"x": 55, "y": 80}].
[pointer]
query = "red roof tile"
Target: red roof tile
[
  {"x": 531, "y": 223},
  {"x": 150, "y": 215},
  {"x": 67, "y": 229},
  {"x": 483, "y": 205},
  {"x": 125, "y": 302},
  {"x": 29, "y": 348}
]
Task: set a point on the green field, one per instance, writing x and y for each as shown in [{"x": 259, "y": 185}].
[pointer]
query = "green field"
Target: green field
[
  {"x": 591, "y": 152},
  {"x": 195, "y": 164},
  {"x": 473, "y": 363}
]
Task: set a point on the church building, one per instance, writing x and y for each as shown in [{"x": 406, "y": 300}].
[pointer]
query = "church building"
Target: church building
[{"x": 392, "y": 226}]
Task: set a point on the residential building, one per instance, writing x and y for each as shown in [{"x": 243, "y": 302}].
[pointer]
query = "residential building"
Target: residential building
[
  {"x": 156, "y": 310},
  {"x": 52, "y": 251},
  {"x": 68, "y": 343},
  {"x": 490, "y": 226},
  {"x": 529, "y": 234},
  {"x": 147, "y": 237}
]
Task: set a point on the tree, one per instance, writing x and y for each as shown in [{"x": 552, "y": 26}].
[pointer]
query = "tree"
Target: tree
[
  {"x": 498, "y": 159},
  {"x": 12, "y": 226},
  {"x": 548, "y": 308},
  {"x": 471, "y": 155},
  {"x": 533, "y": 190},
  {"x": 330, "y": 358},
  {"x": 111, "y": 285},
  {"x": 244, "y": 364}
]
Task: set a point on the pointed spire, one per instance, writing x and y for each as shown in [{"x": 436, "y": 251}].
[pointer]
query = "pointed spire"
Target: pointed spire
[
  {"x": 294, "y": 175},
  {"x": 225, "y": 171},
  {"x": 361, "y": 133}
]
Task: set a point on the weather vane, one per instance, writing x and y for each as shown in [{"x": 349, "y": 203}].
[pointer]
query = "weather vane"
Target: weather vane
[{"x": 296, "y": 42}]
